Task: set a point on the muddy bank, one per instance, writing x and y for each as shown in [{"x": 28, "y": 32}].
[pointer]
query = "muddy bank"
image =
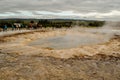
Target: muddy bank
[{"x": 98, "y": 67}]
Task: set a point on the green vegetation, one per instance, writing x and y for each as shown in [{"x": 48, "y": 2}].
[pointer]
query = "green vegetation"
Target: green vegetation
[{"x": 55, "y": 23}]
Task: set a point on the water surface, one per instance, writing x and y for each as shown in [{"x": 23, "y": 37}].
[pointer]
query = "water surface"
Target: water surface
[{"x": 67, "y": 41}]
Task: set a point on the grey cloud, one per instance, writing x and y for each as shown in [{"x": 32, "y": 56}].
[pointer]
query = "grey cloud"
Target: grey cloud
[
  {"x": 53, "y": 5},
  {"x": 77, "y": 6}
]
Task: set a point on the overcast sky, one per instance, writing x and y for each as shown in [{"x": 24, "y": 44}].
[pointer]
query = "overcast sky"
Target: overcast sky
[{"x": 77, "y": 9}]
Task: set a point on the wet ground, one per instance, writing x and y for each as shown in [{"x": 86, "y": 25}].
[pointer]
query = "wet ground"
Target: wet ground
[{"x": 97, "y": 61}]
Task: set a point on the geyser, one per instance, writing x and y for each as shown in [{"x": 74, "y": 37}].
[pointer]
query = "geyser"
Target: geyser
[{"x": 68, "y": 41}]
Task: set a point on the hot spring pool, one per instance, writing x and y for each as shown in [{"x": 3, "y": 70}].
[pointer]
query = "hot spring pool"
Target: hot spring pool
[{"x": 67, "y": 41}]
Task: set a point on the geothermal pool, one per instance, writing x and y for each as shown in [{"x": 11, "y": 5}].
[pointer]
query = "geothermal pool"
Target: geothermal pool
[
  {"x": 61, "y": 43},
  {"x": 67, "y": 41}
]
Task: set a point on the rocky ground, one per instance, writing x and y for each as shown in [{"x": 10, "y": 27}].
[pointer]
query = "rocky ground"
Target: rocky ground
[{"x": 46, "y": 65}]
